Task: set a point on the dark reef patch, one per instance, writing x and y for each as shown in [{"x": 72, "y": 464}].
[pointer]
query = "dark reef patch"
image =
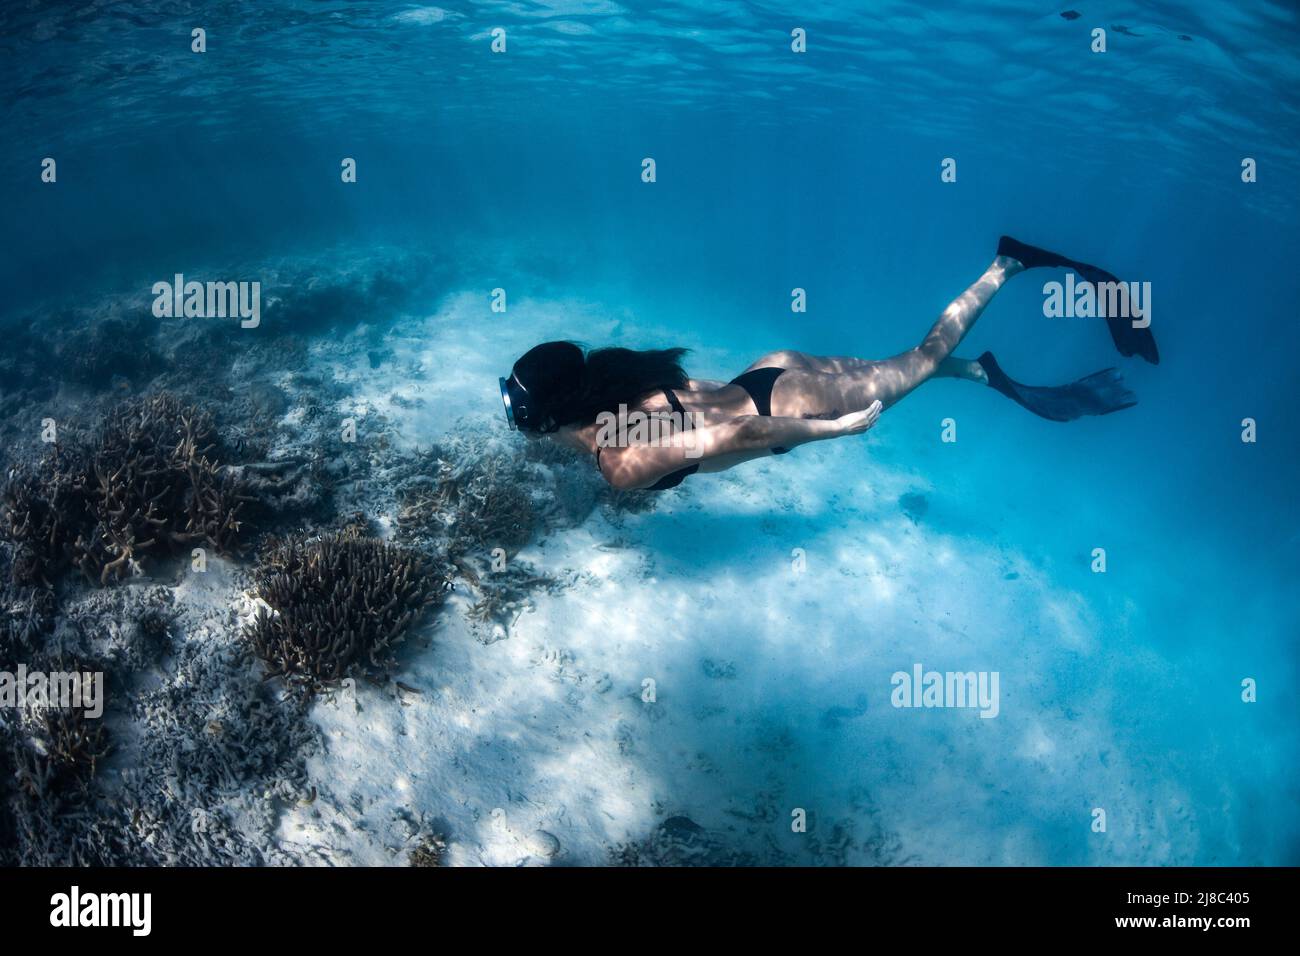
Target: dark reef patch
[
  {"x": 113, "y": 349},
  {"x": 680, "y": 841},
  {"x": 145, "y": 487},
  {"x": 62, "y": 752},
  {"x": 914, "y": 505},
  {"x": 338, "y": 605}
]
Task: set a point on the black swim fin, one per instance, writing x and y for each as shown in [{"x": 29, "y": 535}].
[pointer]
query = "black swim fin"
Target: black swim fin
[
  {"x": 1097, "y": 394},
  {"x": 1128, "y": 340}
]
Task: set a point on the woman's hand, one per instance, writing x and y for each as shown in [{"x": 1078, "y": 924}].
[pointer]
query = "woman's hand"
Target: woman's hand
[{"x": 855, "y": 423}]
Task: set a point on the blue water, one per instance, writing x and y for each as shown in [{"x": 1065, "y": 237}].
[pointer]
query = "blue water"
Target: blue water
[{"x": 777, "y": 170}]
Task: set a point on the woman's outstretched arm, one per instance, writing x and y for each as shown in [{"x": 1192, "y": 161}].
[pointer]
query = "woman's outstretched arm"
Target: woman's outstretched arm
[{"x": 718, "y": 447}]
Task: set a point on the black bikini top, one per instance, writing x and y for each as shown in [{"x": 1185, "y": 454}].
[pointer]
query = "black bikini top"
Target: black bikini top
[
  {"x": 757, "y": 382},
  {"x": 675, "y": 478}
]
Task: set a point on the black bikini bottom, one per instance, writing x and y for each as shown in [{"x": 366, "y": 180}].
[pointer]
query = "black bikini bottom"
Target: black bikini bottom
[{"x": 758, "y": 383}]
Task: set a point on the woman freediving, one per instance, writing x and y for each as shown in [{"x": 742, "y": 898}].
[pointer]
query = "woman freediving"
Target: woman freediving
[{"x": 784, "y": 399}]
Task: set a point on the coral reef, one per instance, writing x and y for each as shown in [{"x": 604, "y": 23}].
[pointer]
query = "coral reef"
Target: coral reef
[
  {"x": 24, "y": 364},
  {"x": 146, "y": 488},
  {"x": 283, "y": 487},
  {"x": 503, "y": 595},
  {"x": 156, "y": 490},
  {"x": 472, "y": 494},
  {"x": 129, "y": 630},
  {"x": 218, "y": 746},
  {"x": 314, "y": 298},
  {"x": 336, "y": 604},
  {"x": 44, "y": 511},
  {"x": 26, "y": 616},
  {"x": 480, "y": 499},
  {"x": 53, "y": 757},
  {"x": 430, "y": 851},
  {"x": 210, "y": 756},
  {"x": 63, "y": 749},
  {"x": 115, "y": 349},
  {"x": 477, "y": 505}
]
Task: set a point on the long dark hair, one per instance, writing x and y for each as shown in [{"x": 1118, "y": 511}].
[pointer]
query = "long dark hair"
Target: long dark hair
[{"x": 575, "y": 392}]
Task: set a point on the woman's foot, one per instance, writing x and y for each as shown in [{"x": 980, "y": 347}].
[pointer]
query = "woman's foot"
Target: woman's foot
[
  {"x": 1031, "y": 257},
  {"x": 1097, "y": 394},
  {"x": 1128, "y": 340}
]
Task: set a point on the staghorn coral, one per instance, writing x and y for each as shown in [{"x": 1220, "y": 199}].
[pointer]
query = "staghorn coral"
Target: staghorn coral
[
  {"x": 476, "y": 504},
  {"x": 503, "y": 596},
  {"x": 26, "y": 617},
  {"x": 156, "y": 490},
  {"x": 146, "y": 487},
  {"x": 336, "y": 604},
  {"x": 430, "y": 851},
  {"x": 219, "y": 752},
  {"x": 57, "y": 760},
  {"x": 43, "y": 509}
]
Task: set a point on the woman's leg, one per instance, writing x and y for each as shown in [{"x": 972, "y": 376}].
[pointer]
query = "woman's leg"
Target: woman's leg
[
  {"x": 816, "y": 387},
  {"x": 902, "y": 373},
  {"x": 807, "y": 391}
]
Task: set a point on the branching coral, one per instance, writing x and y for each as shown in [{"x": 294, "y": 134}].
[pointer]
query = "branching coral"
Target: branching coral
[
  {"x": 54, "y": 820},
  {"x": 503, "y": 595},
  {"x": 63, "y": 754},
  {"x": 481, "y": 501},
  {"x": 430, "y": 851},
  {"x": 147, "y": 487},
  {"x": 337, "y": 604},
  {"x": 156, "y": 490},
  {"x": 43, "y": 510},
  {"x": 26, "y": 616},
  {"x": 479, "y": 504}
]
